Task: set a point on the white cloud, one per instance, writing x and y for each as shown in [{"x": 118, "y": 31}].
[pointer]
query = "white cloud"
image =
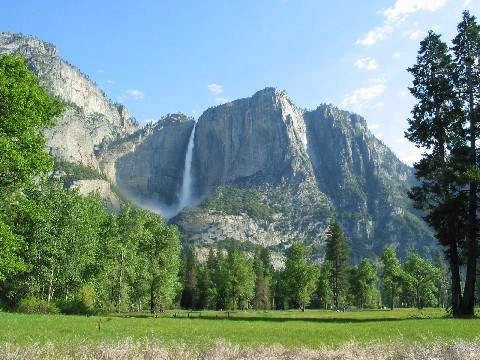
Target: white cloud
[
  {"x": 215, "y": 88},
  {"x": 378, "y": 105},
  {"x": 131, "y": 94},
  {"x": 359, "y": 98},
  {"x": 366, "y": 63},
  {"x": 395, "y": 15},
  {"x": 415, "y": 34},
  {"x": 135, "y": 94},
  {"x": 396, "y": 55},
  {"x": 375, "y": 126},
  {"x": 110, "y": 82},
  {"x": 376, "y": 35},
  {"x": 402, "y": 8},
  {"x": 466, "y": 3}
]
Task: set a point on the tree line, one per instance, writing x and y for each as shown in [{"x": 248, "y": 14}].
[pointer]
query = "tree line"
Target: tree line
[
  {"x": 445, "y": 123},
  {"x": 233, "y": 279},
  {"x": 61, "y": 250}
]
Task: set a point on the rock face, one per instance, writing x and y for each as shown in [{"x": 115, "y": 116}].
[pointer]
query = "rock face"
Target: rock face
[
  {"x": 154, "y": 170},
  {"x": 306, "y": 166},
  {"x": 90, "y": 120},
  {"x": 264, "y": 171},
  {"x": 103, "y": 187}
]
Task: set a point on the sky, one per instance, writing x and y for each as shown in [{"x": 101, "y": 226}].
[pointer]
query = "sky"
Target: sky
[{"x": 160, "y": 57}]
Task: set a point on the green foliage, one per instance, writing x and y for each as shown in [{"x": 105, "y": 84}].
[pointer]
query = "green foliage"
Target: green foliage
[
  {"x": 445, "y": 123},
  {"x": 262, "y": 265},
  {"x": 83, "y": 303},
  {"x": 239, "y": 279},
  {"x": 71, "y": 172},
  {"x": 336, "y": 254},
  {"x": 25, "y": 111},
  {"x": 363, "y": 285},
  {"x": 300, "y": 275},
  {"x": 324, "y": 290},
  {"x": 32, "y": 305},
  {"x": 235, "y": 201},
  {"x": 391, "y": 276},
  {"x": 419, "y": 282}
]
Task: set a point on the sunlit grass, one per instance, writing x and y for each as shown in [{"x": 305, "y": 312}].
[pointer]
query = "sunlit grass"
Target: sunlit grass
[{"x": 288, "y": 328}]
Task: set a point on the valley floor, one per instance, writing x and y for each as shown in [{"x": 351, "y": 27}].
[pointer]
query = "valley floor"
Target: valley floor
[{"x": 250, "y": 330}]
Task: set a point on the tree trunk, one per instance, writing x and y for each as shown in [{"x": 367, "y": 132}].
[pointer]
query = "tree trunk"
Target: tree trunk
[
  {"x": 50, "y": 286},
  {"x": 455, "y": 277},
  {"x": 393, "y": 297},
  {"x": 120, "y": 281},
  {"x": 468, "y": 303},
  {"x": 152, "y": 298}
]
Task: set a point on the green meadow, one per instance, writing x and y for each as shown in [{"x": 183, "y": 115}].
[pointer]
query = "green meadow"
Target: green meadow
[{"x": 198, "y": 330}]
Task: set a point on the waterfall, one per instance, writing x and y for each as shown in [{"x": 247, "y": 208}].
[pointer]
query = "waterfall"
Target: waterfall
[{"x": 186, "y": 189}]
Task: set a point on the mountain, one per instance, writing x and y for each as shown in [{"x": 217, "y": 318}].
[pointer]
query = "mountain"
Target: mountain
[{"x": 263, "y": 171}]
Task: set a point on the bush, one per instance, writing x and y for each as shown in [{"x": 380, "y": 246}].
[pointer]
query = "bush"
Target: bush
[
  {"x": 32, "y": 305},
  {"x": 82, "y": 304}
]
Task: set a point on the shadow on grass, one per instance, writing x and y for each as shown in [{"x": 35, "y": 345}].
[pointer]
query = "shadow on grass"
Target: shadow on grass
[{"x": 235, "y": 318}]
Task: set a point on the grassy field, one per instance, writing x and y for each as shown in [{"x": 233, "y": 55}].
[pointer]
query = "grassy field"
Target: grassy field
[{"x": 311, "y": 329}]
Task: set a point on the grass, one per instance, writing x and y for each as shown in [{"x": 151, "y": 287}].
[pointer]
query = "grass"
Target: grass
[{"x": 291, "y": 329}]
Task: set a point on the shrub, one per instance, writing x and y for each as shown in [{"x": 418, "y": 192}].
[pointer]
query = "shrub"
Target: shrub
[
  {"x": 32, "y": 305},
  {"x": 83, "y": 303}
]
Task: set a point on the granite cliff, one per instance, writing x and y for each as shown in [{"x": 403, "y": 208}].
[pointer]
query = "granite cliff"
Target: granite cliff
[{"x": 264, "y": 171}]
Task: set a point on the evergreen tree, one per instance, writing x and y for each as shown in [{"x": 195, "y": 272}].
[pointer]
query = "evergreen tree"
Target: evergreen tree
[
  {"x": 466, "y": 48},
  {"x": 263, "y": 278},
  {"x": 337, "y": 255},
  {"x": 190, "y": 282},
  {"x": 300, "y": 275},
  {"x": 437, "y": 125}
]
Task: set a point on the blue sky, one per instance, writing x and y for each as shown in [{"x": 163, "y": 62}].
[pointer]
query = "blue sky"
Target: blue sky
[{"x": 159, "y": 57}]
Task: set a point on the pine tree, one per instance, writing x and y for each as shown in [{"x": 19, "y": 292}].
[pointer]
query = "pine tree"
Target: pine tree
[
  {"x": 467, "y": 70},
  {"x": 263, "y": 278},
  {"x": 190, "y": 283},
  {"x": 437, "y": 125},
  {"x": 337, "y": 255}
]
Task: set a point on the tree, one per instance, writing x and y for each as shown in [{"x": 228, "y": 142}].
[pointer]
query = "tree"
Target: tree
[
  {"x": 363, "y": 284},
  {"x": 324, "y": 291},
  {"x": 437, "y": 125},
  {"x": 466, "y": 48},
  {"x": 419, "y": 278},
  {"x": 337, "y": 255},
  {"x": 391, "y": 276},
  {"x": 25, "y": 111},
  {"x": 240, "y": 279},
  {"x": 263, "y": 278},
  {"x": 190, "y": 280},
  {"x": 300, "y": 275},
  {"x": 160, "y": 247}
]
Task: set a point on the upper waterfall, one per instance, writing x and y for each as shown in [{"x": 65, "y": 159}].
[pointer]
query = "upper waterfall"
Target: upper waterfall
[{"x": 186, "y": 190}]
